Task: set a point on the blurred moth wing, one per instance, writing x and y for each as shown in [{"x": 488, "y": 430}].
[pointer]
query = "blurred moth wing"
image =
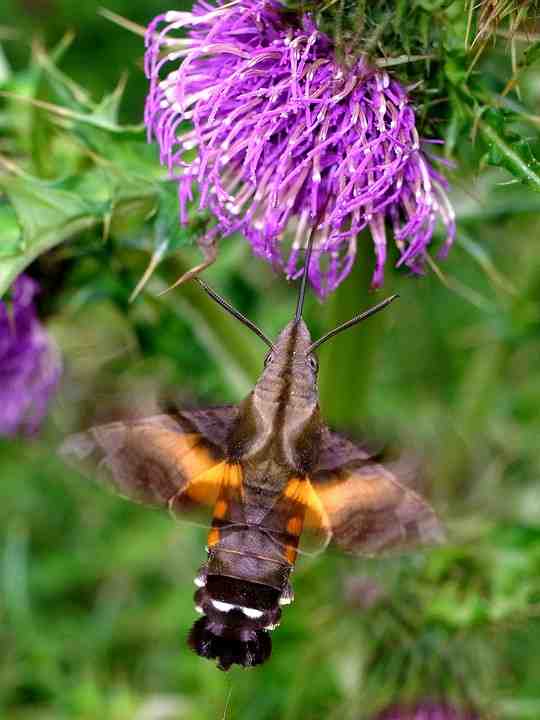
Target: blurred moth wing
[
  {"x": 358, "y": 505},
  {"x": 369, "y": 508},
  {"x": 160, "y": 460},
  {"x": 176, "y": 461}
]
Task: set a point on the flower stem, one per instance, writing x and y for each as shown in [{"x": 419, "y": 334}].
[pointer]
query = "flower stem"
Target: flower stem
[{"x": 348, "y": 362}]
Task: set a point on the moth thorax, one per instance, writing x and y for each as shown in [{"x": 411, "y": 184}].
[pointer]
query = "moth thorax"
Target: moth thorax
[
  {"x": 293, "y": 384},
  {"x": 290, "y": 373},
  {"x": 238, "y": 616}
]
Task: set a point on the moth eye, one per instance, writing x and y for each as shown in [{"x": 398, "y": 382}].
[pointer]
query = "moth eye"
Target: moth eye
[{"x": 313, "y": 363}]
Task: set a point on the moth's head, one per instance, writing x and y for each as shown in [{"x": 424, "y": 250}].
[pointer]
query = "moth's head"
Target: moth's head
[
  {"x": 238, "y": 617},
  {"x": 292, "y": 350},
  {"x": 294, "y": 337}
]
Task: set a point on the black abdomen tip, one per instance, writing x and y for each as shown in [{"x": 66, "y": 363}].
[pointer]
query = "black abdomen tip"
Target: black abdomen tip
[{"x": 229, "y": 651}]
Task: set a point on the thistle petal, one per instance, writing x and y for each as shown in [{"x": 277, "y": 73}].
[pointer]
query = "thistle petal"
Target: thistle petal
[
  {"x": 283, "y": 133},
  {"x": 30, "y": 363}
]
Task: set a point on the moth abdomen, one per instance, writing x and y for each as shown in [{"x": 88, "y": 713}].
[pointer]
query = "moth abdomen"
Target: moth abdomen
[
  {"x": 229, "y": 649},
  {"x": 237, "y": 618}
]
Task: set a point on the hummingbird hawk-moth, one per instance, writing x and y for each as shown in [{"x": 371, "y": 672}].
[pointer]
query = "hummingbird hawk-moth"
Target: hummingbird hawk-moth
[{"x": 269, "y": 469}]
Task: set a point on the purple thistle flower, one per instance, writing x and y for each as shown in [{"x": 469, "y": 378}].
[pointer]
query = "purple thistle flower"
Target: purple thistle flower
[
  {"x": 30, "y": 364},
  {"x": 277, "y": 135},
  {"x": 427, "y": 710}
]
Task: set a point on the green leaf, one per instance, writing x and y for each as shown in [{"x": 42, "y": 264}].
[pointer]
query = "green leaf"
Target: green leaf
[
  {"x": 168, "y": 226},
  {"x": 109, "y": 108},
  {"x": 508, "y": 150},
  {"x": 48, "y": 213},
  {"x": 43, "y": 206},
  {"x": 531, "y": 54},
  {"x": 169, "y": 233},
  {"x": 10, "y": 232},
  {"x": 455, "y": 68}
]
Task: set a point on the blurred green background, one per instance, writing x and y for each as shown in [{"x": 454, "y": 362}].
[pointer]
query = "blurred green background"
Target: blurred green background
[{"x": 96, "y": 594}]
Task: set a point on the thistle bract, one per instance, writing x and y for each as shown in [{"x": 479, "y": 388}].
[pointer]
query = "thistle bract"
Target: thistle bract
[
  {"x": 277, "y": 136},
  {"x": 29, "y": 362}
]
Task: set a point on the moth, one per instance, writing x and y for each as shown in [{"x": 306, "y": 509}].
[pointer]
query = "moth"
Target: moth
[{"x": 269, "y": 469}]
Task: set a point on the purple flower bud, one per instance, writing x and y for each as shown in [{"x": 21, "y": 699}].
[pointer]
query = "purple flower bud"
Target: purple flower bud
[
  {"x": 30, "y": 364},
  {"x": 427, "y": 710},
  {"x": 277, "y": 135}
]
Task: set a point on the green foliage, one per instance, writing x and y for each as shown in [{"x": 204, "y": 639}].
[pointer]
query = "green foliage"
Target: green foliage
[
  {"x": 95, "y": 594},
  {"x": 108, "y": 174}
]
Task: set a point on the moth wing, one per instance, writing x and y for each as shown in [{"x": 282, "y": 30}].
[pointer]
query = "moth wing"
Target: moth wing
[
  {"x": 155, "y": 459},
  {"x": 367, "y": 509},
  {"x": 220, "y": 487},
  {"x": 336, "y": 451}
]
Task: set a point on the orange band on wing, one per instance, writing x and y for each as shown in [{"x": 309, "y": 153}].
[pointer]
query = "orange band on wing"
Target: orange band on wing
[
  {"x": 221, "y": 479},
  {"x": 213, "y": 537},
  {"x": 295, "y": 525},
  {"x": 220, "y": 509},
  {"x": 191, "y": 456},
  {"x": 216, "y": 487},
  {"x": 290, "y": 554},
  {"x": 300, "y": 490}
]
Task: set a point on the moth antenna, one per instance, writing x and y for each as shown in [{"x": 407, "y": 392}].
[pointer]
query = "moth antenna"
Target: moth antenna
[
  {"x": 353, "y": 321},
  {"x": 234, "y": 312},
  {"x": 303, "y": 282}
]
